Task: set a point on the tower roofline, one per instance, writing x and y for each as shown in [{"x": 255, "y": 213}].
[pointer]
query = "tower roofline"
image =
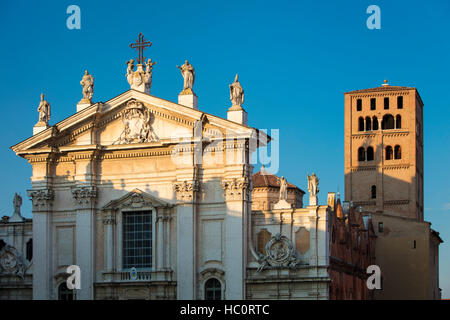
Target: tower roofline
[{"x": 385, "y": 88}]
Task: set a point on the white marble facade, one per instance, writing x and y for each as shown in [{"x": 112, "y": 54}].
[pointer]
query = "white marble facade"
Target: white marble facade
[{"x": 188, "y": 172}]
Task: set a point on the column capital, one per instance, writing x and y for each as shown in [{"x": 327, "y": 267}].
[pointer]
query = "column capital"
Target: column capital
[
  {"x": 236, "y": 188},
  {"x": 85, "y": 196},
  {"x": 41, "y": 198},
  {"x": 186, "y": 190}
]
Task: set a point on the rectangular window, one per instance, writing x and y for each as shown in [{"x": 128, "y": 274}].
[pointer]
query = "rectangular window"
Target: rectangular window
[
  {"x": 137, "y": 239},
  {"x": 400, "y": 102},
  {"x": 373, "y": 104},
  {"x": 386, "y": 103},
  {"x": 358, "y": 105},
  {"x": 380, "y": 227}
]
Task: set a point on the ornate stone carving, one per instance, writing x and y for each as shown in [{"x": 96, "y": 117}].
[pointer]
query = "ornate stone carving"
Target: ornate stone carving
[
  {"x": 186, "y": 191},
  {"x": 148, "y": 75},
  {"x": 44, "y": 111},
  {"x": 137, "y": 121},
  {"x": 140, "y": 79},
  {"x": 236, "y": 188},
  {"x": 188, "y": 73},
  {"x": 84, "y": 195},
  {"x": 87, "y": 82},
  {"x": 12, "y": 262},
  {"x": 280, "y": 253},
  {"x": 109, "y": 217},
  {"x": 41, "y": 197},
  {"x": 136, "y": 201},
  {"x": 236, "y": 93}
]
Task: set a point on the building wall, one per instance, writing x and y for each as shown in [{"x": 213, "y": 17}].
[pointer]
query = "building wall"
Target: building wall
[{"x": 408, "y": 272}]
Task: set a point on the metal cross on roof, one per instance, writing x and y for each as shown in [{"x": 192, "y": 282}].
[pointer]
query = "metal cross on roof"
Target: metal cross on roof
[{"x": 140, "y": 45}]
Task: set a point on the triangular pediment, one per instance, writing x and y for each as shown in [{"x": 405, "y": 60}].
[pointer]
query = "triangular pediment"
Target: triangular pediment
[
  {"x": 136, "y": 199},
  {"x": 129, "y": 119}
]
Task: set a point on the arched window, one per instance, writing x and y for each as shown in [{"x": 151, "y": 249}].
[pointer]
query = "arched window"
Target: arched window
[
  {"x": 64, "y": 293},
  {"x": 374, "y": 123},
  {"x": 370, "y": 154},
  {"x": 361, "y": 124},
  {"x": 2, "y": 244},
  {"x": 398, "y": 122},
  {"x": 361, "y": 154},
  {"x": 397, "y": 152},
  {"x": 373, "y": 192},
  {"x": 389, "y": 153},
  {"x": 213, "y": 289},
  {"x": 29, "y": 252},
  {"x": 387, "y": 122},
  {"x": 368, "y": 124}
]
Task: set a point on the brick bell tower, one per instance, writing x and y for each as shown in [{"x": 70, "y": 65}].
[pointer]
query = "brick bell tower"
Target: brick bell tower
[{"x": 384, "y": 150}]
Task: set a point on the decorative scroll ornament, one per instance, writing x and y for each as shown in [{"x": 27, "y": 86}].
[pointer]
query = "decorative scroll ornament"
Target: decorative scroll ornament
[
  {"x": 137, "y": 121},
  {"x": 12, "y": 262},
  {"x": 280, "y": 253}
]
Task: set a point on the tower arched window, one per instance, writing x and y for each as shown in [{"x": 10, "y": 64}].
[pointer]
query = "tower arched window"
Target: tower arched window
[
  {"x": 361, "y": 124},
  {"x": 389, "y": 153},
  {"x": 370, "y": 154},
  {"x": 213, "y": 289},
  {"x": 398, "y": 122},
  {"x": 361, "y": 154},
  {"x": 374, "y": 123},
  {"x": 373, "y": 192},
  {"x": 397, "y": 152},
  {"x": 387, "y": 122},
  {"x": 368, "y": 124}
]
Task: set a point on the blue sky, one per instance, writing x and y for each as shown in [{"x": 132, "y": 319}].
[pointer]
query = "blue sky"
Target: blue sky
[{"x": 295, "y": 60}]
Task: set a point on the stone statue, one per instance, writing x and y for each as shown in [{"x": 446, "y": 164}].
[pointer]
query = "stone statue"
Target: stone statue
[
  {"x": 148, "y": 74},
  {"x": 130, "y": 67},
  {"x": 283, "y": 188},
  {"x": 236, "y": 93},
  {"x": 17, "y": 202},
  {"x": 188, "y": 73},
  {"x": 44, "y": 110},
  {"x": 313, "y": 183},
  {"x": 88, "y": 86}
]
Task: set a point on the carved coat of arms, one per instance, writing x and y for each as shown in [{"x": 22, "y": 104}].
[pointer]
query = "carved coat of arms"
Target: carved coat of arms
[
  {"x": 12, "y": 262},
  {"x": 280, "y": 253},
  {"x": 137, "y": 121}
]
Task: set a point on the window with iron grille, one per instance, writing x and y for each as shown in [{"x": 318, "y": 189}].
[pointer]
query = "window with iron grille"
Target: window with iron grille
[{"x": 137, "y": 239}]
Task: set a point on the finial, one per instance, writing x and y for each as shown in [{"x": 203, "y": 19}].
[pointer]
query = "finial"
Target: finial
[{"x": 385, "y": 83}]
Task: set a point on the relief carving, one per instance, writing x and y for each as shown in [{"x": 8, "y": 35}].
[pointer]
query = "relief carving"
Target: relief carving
[{"x": 137, "y": 121}]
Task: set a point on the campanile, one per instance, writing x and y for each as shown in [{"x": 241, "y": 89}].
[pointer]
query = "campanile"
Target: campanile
[{"x": 384, "y": 150}]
